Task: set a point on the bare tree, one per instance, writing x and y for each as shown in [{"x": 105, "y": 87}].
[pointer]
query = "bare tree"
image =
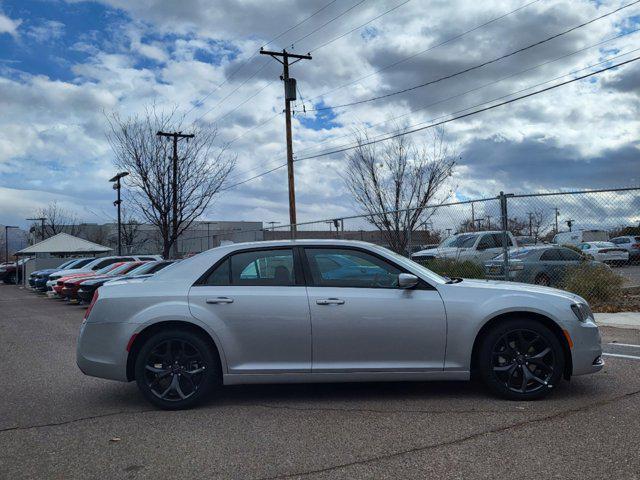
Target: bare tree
[
  {"x": 397, "y": 183},
  {"x": 133, "y": 238},
  {"x": 57, "y": 220},
  {"x": 202, "y": 169}
]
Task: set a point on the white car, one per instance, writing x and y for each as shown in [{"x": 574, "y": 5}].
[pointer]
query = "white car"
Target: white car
[
  {"x": 477, "y": 247},
  {"x": 606, "y": 252}
]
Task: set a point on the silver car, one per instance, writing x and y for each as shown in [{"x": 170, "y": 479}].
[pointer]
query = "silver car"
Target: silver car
[{"x": 329, "y": 311}]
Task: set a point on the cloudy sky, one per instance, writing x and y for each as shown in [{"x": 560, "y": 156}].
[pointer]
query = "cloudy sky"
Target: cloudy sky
[{"x": 64, "y": 63}]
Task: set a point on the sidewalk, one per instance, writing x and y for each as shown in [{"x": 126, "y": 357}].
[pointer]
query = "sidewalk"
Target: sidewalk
[{"x": 619, "y": 320}]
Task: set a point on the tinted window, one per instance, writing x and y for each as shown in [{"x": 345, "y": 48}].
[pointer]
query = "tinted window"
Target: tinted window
[
  {"x": 148, "y": 258},
  {"x": 350, "y": 268},
  {"x": 489, "y": 241},
  {"x": 82, "y": 263},
  {"x": 105, "y": 263},
  {"x": 570, "y": 255},
  {"x": 551, "y": 255},
  {"x": 263, "y": 267},
  {"x": 221, "y": 275}
]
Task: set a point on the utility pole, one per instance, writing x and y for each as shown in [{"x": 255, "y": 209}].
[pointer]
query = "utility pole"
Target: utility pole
[
  {"x": 41, "y": 220},
  {"x": 488, "y": 222},
  {"x": 117, "y": 185},
  {"x": 473, "y": 216},
  {"x": 174, "y": 184},
  {"x": 289, "y": 94},
  {"x": 530, "y": 223},
  {"x": 569, "y": 224},
  {"x": 557, "y": 213},
  {"x": 6, "y": 246}
]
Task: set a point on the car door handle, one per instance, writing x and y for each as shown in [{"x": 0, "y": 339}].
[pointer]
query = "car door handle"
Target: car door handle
[
  {"x": 219, "y": 300},
  {"x": 330, "y": 301}
]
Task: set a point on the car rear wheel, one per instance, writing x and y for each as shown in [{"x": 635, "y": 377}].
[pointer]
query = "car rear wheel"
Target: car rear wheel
[
  {"x": 542, "y": 279},
  {"x": 176, "y": 369},
  {"x": 520, "y": 360}
]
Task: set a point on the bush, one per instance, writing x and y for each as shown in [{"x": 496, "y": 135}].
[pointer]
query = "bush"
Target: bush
[
  {"x": 593, "y": 282},
  {"x": 454, "y": 268}
]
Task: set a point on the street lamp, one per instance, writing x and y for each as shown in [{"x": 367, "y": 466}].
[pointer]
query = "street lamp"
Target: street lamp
[
  {"x": 41, "y": 220},
  {"x": 116, "y": 187},
  {"x": 6, "y": 241}
]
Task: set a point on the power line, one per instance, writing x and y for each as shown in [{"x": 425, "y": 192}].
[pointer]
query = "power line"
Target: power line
[
  {"x": 358, "y": 27},
  {"x": 246, "y": 61},
  {"x": 475, "y": 67},
  {"x": 327, "y": 23},
  {"x": 451, "y": 39},
  {"x": 459, "y": 117},
  {"x": 475, "y": 112},
  {"x": 528, "y": 69}
]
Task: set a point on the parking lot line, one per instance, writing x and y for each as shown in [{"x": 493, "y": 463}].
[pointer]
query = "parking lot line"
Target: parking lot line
[
  {"x": 621, "y": 356},
  {"x": 625, "y": 344}
]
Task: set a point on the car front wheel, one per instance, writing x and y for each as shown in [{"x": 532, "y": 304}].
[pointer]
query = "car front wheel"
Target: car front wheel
[
  {"x": 521, "y": 360},
  {"x": 176, "y": 369}
]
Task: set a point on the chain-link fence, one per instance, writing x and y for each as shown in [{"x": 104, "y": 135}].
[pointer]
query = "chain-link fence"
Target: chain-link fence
[{"x": 583, "y": 241}]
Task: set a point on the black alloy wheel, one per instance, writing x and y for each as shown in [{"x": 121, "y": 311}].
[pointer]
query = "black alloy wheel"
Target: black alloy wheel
[
  {"x": 521, "y": 360},
  {"x": 175, "y": 369}
]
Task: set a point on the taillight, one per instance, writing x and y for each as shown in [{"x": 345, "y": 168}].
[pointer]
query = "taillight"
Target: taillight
[
  {"x": 635, "y": 245},
  {"x": 93, "y": 302}
]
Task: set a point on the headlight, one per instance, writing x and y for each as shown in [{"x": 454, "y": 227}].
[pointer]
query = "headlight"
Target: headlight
[{"x": 582, "y": 311}]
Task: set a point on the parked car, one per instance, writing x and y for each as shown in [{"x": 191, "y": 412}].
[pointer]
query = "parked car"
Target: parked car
[
  {"x": 88, "y": 287},
  {"x": 606, "y": 252},
  {"x": 580, "y": 236},
  {"x": 10, "y": 274},
  {"x": 270, "y": 312},
  {"x": 477, "y": 247},
  {"x": 72, "y": 284},
  {"x": 631, "y": 243},
  {"x": 59, "y": 283},
  {"x": 542, "y": 265},
  {"x": 41, "y": 277},
  {"x": 33, "y": 275},
  {"x": 98, "y": 263}
]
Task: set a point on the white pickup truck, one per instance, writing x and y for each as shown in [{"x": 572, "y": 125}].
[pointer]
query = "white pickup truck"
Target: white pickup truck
[{"x": 477, "y": 247}]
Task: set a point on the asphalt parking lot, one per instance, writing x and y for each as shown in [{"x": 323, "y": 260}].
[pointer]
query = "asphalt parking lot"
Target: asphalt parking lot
[{"x": 57, "y": 423}]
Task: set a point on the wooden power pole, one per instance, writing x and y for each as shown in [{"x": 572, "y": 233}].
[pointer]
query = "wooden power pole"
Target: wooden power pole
[
  {"x": 289, "y": 94},
  {"x": 174, "y": 185}
]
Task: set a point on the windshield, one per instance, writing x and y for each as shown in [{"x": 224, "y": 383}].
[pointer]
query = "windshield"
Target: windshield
[
  {"x": 144, "y": 268},
  {"x": 460, "y": 241},
  {"x": 81, "y": 263},
  {"x": 107, "y": 269},
  {"x": 123, "y": 269},
  {"x": 515, "y": 254}
]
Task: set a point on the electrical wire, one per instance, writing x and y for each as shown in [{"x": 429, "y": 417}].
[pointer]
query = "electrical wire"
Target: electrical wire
[
  {"x": 444, "y": 42},
  {"x": 435, "y": 124}
]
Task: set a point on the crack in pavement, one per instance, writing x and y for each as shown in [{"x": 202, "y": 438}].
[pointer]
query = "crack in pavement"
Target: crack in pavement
[
  {"x": 422, "y": 448},
  {"x": 380, "y": 411},
  {"x": 74, "y": 420}
]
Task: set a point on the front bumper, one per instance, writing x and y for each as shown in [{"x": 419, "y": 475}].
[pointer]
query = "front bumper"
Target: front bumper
[
  {"x": 586, "y": 354},
  {"x": 104, "y": 359}
]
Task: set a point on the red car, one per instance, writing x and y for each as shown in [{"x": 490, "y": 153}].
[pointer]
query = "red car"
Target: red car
[
  {"x": 57, "y": 288},
  {"x": 71, "y": 286}
]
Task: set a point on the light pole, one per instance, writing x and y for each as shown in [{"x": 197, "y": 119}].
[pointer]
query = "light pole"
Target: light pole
[
  {"x": 41, "y": 220},
  {"x": 6, "y": 241},
  {"x": 117, "y": 186}
]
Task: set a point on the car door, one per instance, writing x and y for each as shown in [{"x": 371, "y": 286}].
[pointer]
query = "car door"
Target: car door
[
  {"x": 553, "y": 264},
  {"x": 363, "y": 322},
  {"x": 256, "y": 303}
]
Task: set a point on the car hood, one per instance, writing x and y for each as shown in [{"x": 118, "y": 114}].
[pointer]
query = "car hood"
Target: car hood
[{"x": 516, "y": 287}]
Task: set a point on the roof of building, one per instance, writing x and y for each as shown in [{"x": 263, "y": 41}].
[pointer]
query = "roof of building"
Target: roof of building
[{"x": 64, "y": 243}]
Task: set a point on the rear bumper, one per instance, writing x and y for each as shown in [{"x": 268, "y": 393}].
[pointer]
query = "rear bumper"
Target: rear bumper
[
  {"x": 102, "y": 349},
  {"x": 85, "y": 295}
]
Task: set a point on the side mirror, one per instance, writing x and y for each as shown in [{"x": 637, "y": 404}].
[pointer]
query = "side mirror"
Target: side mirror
[{"x": 407, "y": 280}]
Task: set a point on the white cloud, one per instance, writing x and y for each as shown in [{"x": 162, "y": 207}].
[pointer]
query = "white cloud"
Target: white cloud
[{"x": 8, "y": 25}]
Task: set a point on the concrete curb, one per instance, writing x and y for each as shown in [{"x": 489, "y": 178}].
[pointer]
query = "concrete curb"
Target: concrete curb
[{"x": 619, "y": 320}]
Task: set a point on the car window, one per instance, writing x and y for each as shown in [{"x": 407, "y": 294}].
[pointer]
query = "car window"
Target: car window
[
  {"x": 355, "y": 269},
  {"x": 82, "y": 263},
  {"x": 570, "y": 255},
  {"x": 256, "y": 268},
  {"x": 460, "y": 241},
  {"x": 488, "y": 241},
  {"x": 551, "y": 255}
]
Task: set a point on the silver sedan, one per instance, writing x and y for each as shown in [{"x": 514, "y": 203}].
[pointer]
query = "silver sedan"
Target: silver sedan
[{"x": 329, "y": 311}]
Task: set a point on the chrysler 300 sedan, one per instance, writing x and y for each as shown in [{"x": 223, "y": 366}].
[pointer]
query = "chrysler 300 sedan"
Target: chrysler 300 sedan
[{"x": 329, "y": 311}]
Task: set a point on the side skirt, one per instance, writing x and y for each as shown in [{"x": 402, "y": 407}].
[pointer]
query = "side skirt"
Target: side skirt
[{"x": 246, "y": 378}]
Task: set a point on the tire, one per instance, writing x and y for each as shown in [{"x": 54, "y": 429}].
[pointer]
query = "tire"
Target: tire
[
  {"x": 176, "y": 369},
  {"x": 512, "y": 348},
  {"x": 542, "y": 279}
]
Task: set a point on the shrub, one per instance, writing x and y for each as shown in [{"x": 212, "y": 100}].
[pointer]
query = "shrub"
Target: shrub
[
  {"x": 593, "y": 282},
  {"x": 454, "y": 268}
]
